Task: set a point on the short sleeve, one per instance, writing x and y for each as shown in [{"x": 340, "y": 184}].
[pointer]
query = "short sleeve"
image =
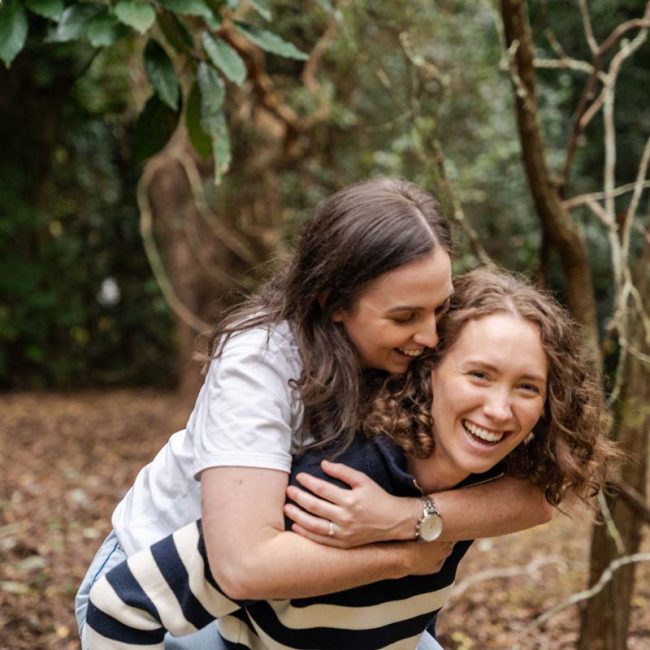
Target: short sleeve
[{"x": 246, "y": 412}]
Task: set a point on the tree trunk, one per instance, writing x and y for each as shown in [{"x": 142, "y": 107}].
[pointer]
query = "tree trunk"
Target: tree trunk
[{"x": 605, "y": 618}]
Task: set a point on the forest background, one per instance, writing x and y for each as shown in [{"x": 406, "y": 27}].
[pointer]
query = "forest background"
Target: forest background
[{"x": 159, "y": 156}]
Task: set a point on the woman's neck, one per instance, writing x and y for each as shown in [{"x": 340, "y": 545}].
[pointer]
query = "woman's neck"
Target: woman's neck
[{"x": 435, "y": 474}]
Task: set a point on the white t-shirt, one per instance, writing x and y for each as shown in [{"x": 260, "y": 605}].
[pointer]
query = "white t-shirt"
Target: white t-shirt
[{"x": 246, "y": 415}]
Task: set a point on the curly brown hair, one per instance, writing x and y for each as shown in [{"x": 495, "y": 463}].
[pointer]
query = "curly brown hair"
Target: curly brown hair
[{"x": 569, "y": 452}]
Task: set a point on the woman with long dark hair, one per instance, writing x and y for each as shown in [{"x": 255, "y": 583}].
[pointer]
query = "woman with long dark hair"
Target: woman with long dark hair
[{"x": 293, "y": 368}]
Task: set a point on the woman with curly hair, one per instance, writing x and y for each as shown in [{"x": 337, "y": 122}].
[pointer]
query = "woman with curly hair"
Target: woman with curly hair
[
  {"x": 509, "y": 390},
  {"x": 292, "y": 368}
]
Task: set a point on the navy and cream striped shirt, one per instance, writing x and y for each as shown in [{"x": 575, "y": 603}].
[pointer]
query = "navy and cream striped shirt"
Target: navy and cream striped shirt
[{"x": 169, "y": 587}]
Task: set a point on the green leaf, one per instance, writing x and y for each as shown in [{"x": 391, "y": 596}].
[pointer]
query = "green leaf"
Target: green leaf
[
  {"x": 193, "y": 8},
  {"x": 213, "y": 121},
  {"x": 13, "y": 30},
  {"x": 270, "y": 42},
  {"x": 221, "y": 148},
  {"x": 198, "y": 137},
  {"x": 188, "y": 7},
  {"x": 46, "y": 8},
  {"x": 74, "y": 23},
  {"x": 212, "y": 89},
  {"x": 225, "y": 58},
  {"x": 135, "y": 13},
  {"x": 175, "y": 32},
  {"x": 261, "y": 8},
  {"x": 153, "y": 128},
  {"x": 161, "y": 74},
  {"x": 104, "y": 30}
]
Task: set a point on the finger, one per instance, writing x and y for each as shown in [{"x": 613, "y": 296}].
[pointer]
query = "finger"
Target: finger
[
  {"x": 315, "y": 525},
  {"x": 354, "y": 478},
  {"x": 323, "y": 489},
  {"x": 325, "y": 540},
  {"x": 313, "y": 504}
]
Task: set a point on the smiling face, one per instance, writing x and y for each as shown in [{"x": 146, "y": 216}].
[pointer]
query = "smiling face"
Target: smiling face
[
  {"x": 488, "y": 393},
  {"x": 394, "y": 318}
]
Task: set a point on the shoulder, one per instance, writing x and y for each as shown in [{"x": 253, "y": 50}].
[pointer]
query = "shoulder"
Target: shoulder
[
  {"x": 268, "y": 339},
  {"x": 271, "y": 344}
]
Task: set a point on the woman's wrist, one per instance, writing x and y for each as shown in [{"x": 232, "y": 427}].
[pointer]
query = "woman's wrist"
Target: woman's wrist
[{"x": 410, "y": 512}]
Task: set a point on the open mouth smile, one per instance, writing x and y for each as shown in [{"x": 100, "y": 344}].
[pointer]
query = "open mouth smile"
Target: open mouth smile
[
  {"x": 484, "y": 435},
  {"x": 411, "y": 353}
]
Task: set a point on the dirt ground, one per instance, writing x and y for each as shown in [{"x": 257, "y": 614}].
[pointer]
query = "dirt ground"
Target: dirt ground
[{"x": 65, "y": 460}]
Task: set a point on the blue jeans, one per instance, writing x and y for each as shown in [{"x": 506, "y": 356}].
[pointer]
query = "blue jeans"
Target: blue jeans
[{"x": 111, "y": 553}]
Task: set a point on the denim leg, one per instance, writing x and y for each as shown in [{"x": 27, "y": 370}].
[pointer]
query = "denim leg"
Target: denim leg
[
  {"x": 110, "y": 554},
  {"x": 206, "y": 639},
  {"x": 427, "y": 642}
]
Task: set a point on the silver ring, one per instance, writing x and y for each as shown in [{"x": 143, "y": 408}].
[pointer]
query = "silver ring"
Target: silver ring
[{"x": 331, "y": 529}]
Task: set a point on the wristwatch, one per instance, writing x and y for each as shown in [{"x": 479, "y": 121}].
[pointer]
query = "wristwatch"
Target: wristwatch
[{"x": 430, "y": 526}]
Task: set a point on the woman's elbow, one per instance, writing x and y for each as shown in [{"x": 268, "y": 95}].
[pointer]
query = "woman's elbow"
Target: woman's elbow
[
  {"x": 233, "y": 573},
  {"x": 235, "y": 584}
]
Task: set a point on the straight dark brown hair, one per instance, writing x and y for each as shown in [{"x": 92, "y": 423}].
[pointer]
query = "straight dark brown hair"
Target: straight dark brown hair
[{"x": 356, "y": 235}]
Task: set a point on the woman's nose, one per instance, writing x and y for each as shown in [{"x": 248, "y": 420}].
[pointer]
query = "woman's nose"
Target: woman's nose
[
  {"x": 497, "y": 406},
  {"x": 427, "y": 335}
]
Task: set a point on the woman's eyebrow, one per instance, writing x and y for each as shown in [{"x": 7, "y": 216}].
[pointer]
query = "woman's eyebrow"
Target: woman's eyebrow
[
  {"x": 539, "y": 378},
  {"x": 404, "y": 308},
  {"x": 418, "y": 307},
  {"x": 488, "y": 366}
]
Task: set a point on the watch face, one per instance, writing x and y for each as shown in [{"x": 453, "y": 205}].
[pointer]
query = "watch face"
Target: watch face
[{"x": 431, "y": 528}]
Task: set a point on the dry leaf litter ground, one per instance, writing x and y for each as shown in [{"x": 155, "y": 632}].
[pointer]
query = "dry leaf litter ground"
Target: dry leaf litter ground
[{"x": 65, "y": 460}]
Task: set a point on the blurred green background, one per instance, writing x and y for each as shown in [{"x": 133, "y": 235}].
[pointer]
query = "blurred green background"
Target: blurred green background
[{"x": 397, "y": 87}]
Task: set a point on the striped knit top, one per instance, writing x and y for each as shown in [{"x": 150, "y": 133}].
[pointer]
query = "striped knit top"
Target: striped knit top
[{"x": 169, "y": 587}]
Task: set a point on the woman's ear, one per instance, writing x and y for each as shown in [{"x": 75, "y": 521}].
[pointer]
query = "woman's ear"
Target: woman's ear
[
  {"x": 338, "y": 316},
  {"x": 322, "y": 299}
]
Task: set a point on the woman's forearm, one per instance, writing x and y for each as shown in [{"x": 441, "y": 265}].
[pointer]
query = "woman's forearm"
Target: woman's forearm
[
  {"x": 499, "y": 507},
  {"x": 252, "y": 557},
  {"x": 365, "y": 513},
  {"x": 285, "y": 565}
]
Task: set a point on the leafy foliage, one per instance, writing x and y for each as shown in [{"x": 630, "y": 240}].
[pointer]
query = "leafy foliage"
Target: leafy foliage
[
  {"x": 225, "y": 58},
  {"x": 397, "y": 83},
  {"x": 136, "y": 14},
  {"x": 269, "y": 41},
  {"x": 104, "y": 25},
  {"x": 77, "y": 303},
  {"x": 13, "y": 30},
  {"x": 160, "y": 71}
]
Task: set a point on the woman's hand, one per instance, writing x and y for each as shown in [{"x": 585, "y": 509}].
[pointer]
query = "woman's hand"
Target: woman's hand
[
  {"x": 344, "y": 518},
  {"x": 428, "y": 557}
]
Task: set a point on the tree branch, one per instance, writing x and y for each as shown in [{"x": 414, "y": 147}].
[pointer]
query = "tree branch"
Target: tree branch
[
  {"x": 639, "y": 185},
  {"x": 578, "y": 597},
  {"x": 589, "y": 89},
  {"x": 531, "y": 570},
  {"x": 151, "y": 250},
  {"x": 586, "y": 23},
  {"x": 584, "y": 199},
  {"x": 555, "y": 218},
  {"x": 626, "y": 51},
  {"x": 633, "y": 499}
]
